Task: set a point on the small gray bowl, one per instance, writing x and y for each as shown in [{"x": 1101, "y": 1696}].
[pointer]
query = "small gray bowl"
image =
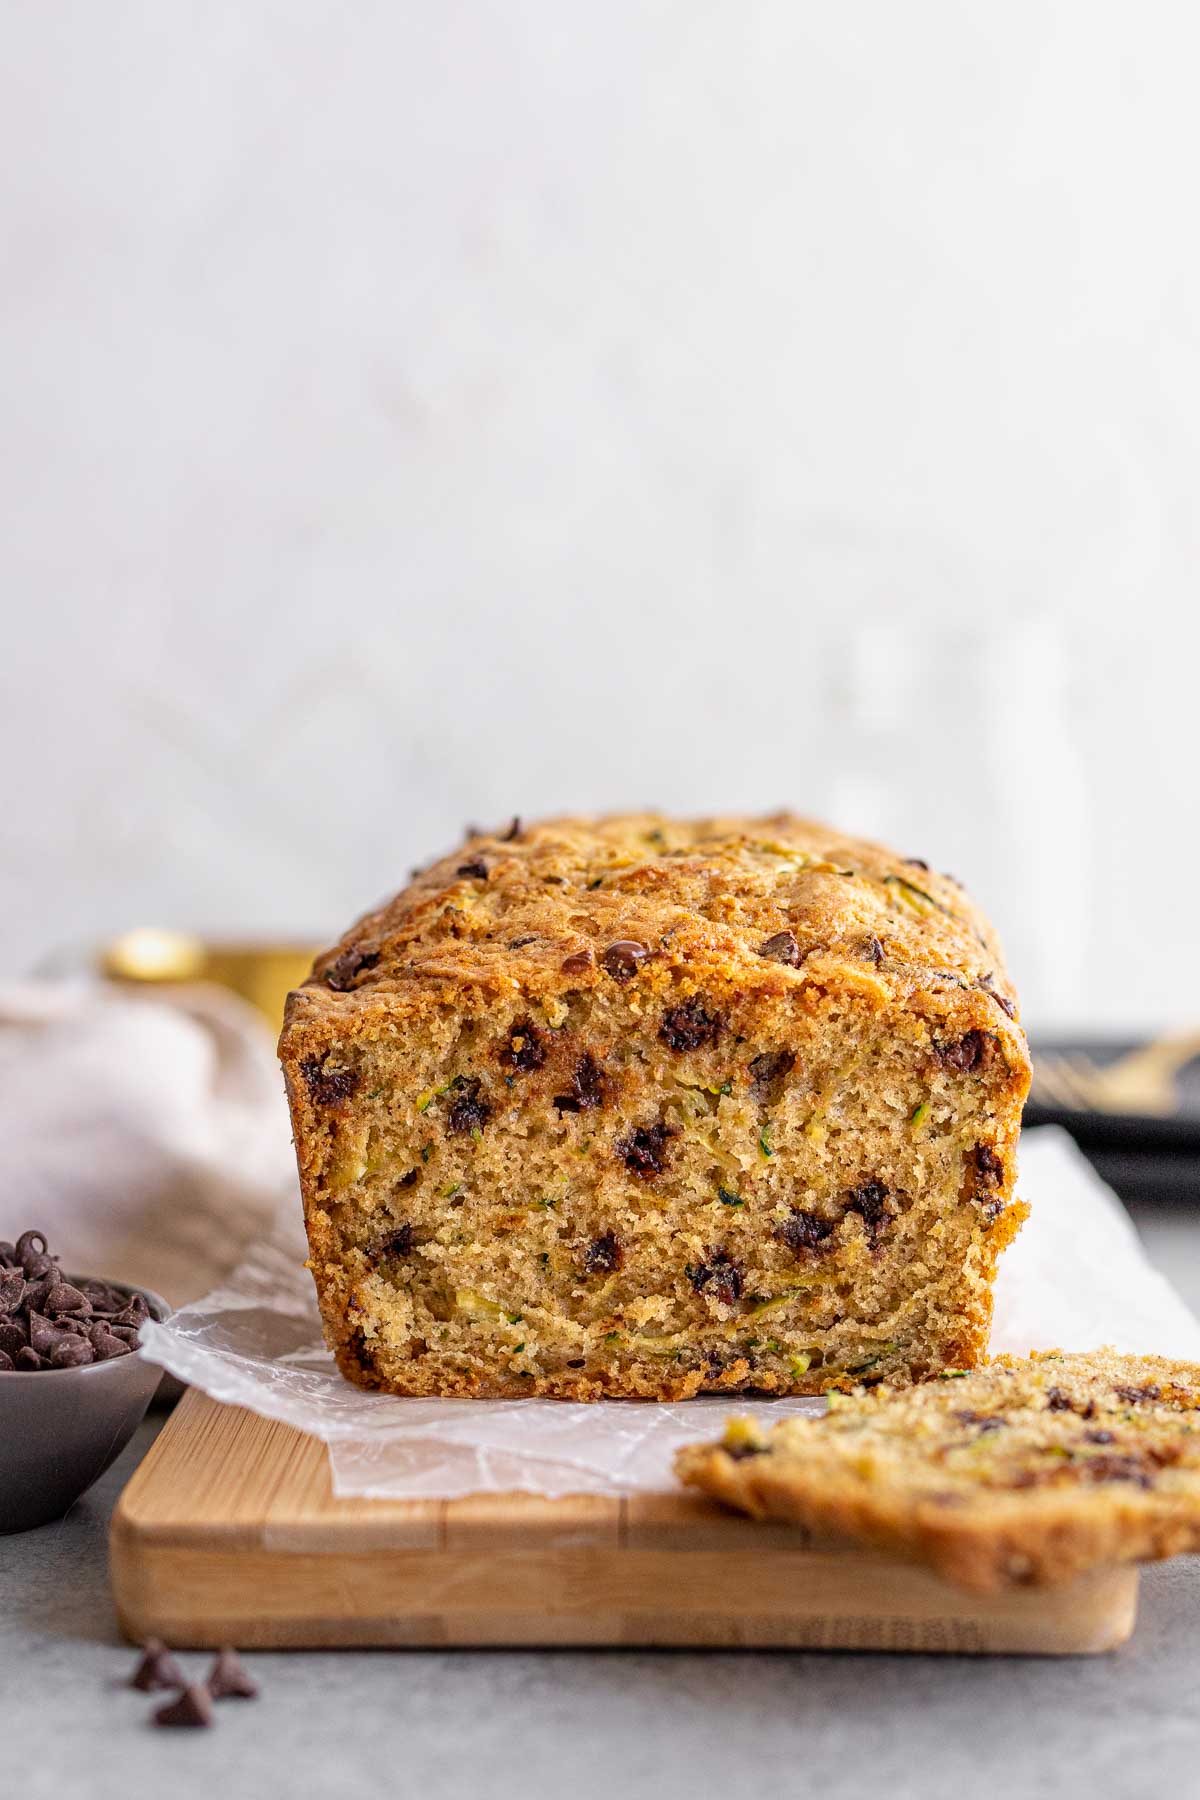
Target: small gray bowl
[{"x": 61, "y": 1428}]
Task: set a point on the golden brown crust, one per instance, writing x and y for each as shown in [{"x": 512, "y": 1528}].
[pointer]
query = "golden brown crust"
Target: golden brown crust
[
  {"x": 1024, "y": 1473},
  {"x": 715, "y": 889},
  {"x": 796, "y": 936}
]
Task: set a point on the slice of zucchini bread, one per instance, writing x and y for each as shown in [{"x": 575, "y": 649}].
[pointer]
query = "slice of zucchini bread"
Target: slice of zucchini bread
[
  {"x": 1027, "y": 1472},
  {"x": 629, "y": 1106}
]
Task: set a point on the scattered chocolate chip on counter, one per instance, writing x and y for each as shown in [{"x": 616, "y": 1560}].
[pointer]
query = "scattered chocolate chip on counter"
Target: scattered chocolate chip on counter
[
  {"x": 193, "y": 1707},
  {"x": 157, "y": 1669},
  {"x": 48, "y": 1322},
  {"x": 228, "y": 1678}
]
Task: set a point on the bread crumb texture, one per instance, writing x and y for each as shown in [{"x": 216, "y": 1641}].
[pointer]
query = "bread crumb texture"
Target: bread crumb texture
[
  {"x": 633, "y": 1106},
  {"x": 1024, "y": 1473}
]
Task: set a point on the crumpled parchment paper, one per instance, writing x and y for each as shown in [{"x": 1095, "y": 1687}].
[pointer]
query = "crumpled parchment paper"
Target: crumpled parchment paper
[{"x": 1075, "y": 1278}]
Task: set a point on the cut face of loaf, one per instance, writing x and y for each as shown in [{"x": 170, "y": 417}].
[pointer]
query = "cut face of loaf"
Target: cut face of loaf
[{"x": 635, "y": 1107}]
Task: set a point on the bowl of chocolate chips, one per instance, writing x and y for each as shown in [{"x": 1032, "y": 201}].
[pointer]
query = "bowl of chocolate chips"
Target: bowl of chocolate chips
[{"x": 73, "y": 1389}]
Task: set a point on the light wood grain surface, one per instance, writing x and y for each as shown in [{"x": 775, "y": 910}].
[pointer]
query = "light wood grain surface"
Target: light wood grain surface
[{"x": 229, "y": 1532}]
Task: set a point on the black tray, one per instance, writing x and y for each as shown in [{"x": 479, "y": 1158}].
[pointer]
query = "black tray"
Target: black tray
[{"x": 1145, "y": 1158}]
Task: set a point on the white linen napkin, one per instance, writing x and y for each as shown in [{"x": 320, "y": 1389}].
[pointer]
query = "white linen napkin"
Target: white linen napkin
[{"x": 144, "y": 1133}]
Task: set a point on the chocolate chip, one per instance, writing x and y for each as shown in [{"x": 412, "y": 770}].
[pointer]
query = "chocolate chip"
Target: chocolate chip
[
  {"x": 228, "y": 1679},
  {"x": 63, "y": 1298},
  {"x": 588, "y": 1083},
  {"x": 587, "y": 1087},
  {"x": 43, "y": 1335},
  {"x": 604, "y": 1255},
  {"x": 643, "y": 1151},
  {"x": 768, "y": 1069},
  {"x": 1099, "y": 1437},
  {"x": 328, "y": 1087},
  {"x": 6, "y": 1363},
  {"x": 1137, "y": 1396},
  {"x": 872, "y": 949},
  {"x": 739, "y": 1452},
  {"x": 400, "y": 1242},
  {"x": 133, "y": 1317},
  {"x": 475, "y": 870},
  {"x": 578, "y": 963},
  {"x": 1002, "y": 1001},
  {"x": 469, "y": 1110},
  {"x": 1058, "y": 1400},
  {"x": 524, "y": 1048},
  {"x": 29, "y": 1248},
  {"x": 519, "y": 943},
  {"x": 782, "y": 948},
  {"x": 56, "y": 1326},
  {"x": 514, "y": 831},
  {"x": 987, "y": 1422},
  {"x": 690, "y": 1025},
  {"x": 971, "y": 1053},
  {"x": 624, "y": 958},
  {"x": 36, "y": 1292},
  {"x": 720, "y": 1276},
  {"x": 193, "y": 1707},
  {"x": 157, "y": 1669},
  {"x": 342, "y": 973},
  {"x": 869, "y": 1202},
  {"x": 804, "y": 1230},
  {"x": 104, "y": 1299},
  {"x": 916, "y": 862},
  {"x": 1117, "y": 1468},
  {"x": 988, "y": 1166}
]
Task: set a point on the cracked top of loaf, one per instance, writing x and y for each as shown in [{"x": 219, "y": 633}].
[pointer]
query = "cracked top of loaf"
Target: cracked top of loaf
[{"x": 764, "y": 902}]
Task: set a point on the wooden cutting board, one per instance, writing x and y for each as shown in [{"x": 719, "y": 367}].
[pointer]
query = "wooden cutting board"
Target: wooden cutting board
[{"x": 229, "y": 1533}]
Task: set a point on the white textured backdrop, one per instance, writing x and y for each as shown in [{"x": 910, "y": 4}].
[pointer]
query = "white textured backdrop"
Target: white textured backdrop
[{"x": 420, "y": 412}]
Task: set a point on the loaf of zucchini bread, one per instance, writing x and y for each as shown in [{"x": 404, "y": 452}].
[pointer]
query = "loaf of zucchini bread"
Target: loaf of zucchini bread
[{"x": 630, "y": 1106}]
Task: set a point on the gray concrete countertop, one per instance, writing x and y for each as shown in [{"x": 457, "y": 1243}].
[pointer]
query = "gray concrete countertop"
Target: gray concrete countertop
[{"x": 618, "y": 1725}]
